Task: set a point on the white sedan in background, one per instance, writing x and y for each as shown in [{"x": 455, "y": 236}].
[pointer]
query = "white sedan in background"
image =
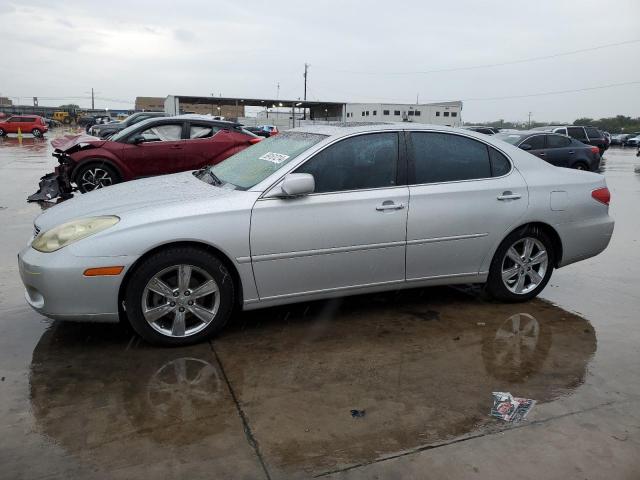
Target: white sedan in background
[{"x": 315, "y": 212}]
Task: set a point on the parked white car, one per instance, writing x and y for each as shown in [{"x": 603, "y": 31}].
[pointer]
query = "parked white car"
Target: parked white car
[{"x": 316, "y": 212}]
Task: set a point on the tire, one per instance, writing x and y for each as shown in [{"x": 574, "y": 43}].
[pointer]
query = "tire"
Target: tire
[
  {"x": 2, "y": 132},
  {"x": 36, "y": 133},
  {"x": 580, "y": 166},
  {"x": 66, "y": 121},
  {"x": 95, "y": 175},
  {"x": 536, "y": 262},
  {"x": 162, "y": 313}
]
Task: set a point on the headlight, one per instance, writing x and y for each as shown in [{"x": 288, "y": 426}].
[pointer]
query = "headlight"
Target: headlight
[{"x": 70, "y": 232}]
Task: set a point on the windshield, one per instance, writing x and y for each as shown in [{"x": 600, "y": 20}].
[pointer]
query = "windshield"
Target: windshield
[
  {"x": 512, "y": 138},
  {"x": 252, "y": 165},
  {"x": 124, "y": 133}
]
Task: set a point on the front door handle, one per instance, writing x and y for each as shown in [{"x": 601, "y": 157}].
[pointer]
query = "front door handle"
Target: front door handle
[
  {"x": 176, "y": 147},
  {"x": 388, "y": 205},
  {"x": 509, "y": 195},
  {"x": 571, "y": 151}
]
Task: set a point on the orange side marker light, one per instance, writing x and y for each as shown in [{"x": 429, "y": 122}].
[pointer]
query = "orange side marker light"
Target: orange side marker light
[{"x": 103, "y": 271}]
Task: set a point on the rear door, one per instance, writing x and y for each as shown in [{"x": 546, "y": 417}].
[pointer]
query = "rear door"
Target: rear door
[
  {"x": 161, "y": 152},
  {"x": 204, "y": 142},
  {"x": 559, "y": 151},
  {"x": 464, "y": 196}
]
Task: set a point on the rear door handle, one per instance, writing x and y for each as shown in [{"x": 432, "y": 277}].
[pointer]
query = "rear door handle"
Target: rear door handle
[
  {"x": 509, "y": 196},
  {"x": 571, "y": 151},
  {"x": 390, "y": 206}
]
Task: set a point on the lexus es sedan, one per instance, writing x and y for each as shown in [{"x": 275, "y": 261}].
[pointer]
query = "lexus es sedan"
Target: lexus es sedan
[{"x": 311, "y": 213}]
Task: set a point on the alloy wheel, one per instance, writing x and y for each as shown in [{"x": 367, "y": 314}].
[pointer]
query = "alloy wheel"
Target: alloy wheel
[
  {"x": 524, "y": 265},
  {"x": 180, "y": 301},
  {"x": 95, "y": 178}
]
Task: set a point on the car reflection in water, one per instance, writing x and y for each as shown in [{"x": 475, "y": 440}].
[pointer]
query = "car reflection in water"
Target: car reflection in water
[
  {"x": 421, "y": 363},
  {"x": 27, "y": 144}
]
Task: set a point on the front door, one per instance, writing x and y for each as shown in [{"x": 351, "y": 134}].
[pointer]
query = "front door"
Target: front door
[
  {"x": 464, "y": 197},
  {"x": 161, "y": 152},
  {"x": 560, "y": 151},
  {"x": 349, "y": 233}
]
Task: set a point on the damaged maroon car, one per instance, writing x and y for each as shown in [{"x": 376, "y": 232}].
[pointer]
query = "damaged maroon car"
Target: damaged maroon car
[{"x": 152, "y": 147}]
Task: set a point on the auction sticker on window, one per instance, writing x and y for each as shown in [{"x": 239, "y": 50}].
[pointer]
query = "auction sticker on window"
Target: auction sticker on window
[{"x": 274, "y": 157}]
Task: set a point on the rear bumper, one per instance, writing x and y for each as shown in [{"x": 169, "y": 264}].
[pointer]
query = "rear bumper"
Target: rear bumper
[
  {"x": 584, "y": 239},
  {"x": 56, "y": 287}
]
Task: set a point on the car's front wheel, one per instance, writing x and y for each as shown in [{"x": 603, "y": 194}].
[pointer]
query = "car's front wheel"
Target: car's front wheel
[
  {"x": 522, "y": 265},
  {"x": 93, "y": 176},
  {"x": 179, "y": 296}
]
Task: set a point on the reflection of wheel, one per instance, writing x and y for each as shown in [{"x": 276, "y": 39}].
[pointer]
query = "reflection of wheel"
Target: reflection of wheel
[
  {"x": 94, "y": 176},
  {"x": 181, "y": 387},
  {"x": 179, "y": 296},
  {"x": 518, "y": 348},
  {"x": 522, "y": 266}
]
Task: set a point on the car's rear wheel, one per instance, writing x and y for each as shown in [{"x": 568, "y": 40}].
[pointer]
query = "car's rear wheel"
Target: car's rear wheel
[
  {"x": 36, "y": 132},
  {"x": 580, "y": 166},
  {"x": 522, "y": 266},
  {"x": 179, "y": 296},
  {"x": 94, "y": 176}
]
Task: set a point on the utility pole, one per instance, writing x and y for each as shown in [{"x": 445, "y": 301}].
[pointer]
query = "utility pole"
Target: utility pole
[
  {"x": 529, "y": 119},
  {"x": 93, "y": 106},
  {"x": 278, "y": 94},
  {"x": 306, "y": 73},
  {"x": 417, "y": 98}
]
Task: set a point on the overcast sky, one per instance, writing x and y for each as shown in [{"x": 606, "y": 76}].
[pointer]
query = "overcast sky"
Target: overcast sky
[{"x": 358, "y": 50}]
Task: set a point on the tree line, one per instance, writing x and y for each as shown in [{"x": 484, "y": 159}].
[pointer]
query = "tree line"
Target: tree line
[{"x": 617, "y": 124}]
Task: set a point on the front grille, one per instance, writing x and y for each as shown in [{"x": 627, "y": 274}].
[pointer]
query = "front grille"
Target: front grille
[{"x": 36, "y": 230}]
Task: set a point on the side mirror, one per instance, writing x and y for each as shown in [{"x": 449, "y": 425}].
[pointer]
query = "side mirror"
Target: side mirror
[
  {"x": 525, "y": 146},
  {"x": 295, "y": 185},
  {"x": 138, "y": 139}
]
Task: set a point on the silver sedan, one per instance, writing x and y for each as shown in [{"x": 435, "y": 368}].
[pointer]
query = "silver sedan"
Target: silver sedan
[{"x": 313, "y": 213}]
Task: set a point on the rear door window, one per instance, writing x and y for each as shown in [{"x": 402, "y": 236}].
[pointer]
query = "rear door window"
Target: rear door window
[
  {"x": 202, "y": 131},
  {"x": 577, "y": 133},
  {"x": 557, "y": 141},
  {"x": 357, "y": 163},
  {"x": 444, "y": 157}
]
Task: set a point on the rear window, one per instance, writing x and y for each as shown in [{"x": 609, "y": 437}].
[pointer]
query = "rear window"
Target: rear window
[
  {"x": 593, "y": 132},
  {"x": 577, "y": 133}
]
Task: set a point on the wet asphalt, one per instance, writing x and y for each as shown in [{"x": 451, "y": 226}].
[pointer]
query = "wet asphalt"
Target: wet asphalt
[{"x": 272, "y": 396}]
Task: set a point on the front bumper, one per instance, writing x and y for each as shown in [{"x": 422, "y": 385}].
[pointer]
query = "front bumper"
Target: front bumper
[{"x": 56, "y": 287}]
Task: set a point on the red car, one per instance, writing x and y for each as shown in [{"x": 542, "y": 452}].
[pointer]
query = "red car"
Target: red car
[
  {"x": 26, "y": 123},
  {"x": 152, "y": 147}
]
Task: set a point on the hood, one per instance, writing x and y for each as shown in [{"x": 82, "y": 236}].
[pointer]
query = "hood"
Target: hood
[
  {"x": 129, "y": 196},
  {"x": 67, "y": 142}
]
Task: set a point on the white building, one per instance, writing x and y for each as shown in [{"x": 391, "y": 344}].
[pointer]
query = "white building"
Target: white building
[{"x": 443, "y": 113}]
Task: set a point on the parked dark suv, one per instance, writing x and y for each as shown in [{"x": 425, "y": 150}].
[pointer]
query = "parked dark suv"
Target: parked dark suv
[
  {"x": 558, "y": 150},
  {"x": 585, "y": 134},
  {"x": 103, "y": 131}
]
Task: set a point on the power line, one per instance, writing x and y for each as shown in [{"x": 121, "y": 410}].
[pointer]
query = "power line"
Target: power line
[
  {"x": 556, "y": 92},
  {"x": 487, "y": 65}
]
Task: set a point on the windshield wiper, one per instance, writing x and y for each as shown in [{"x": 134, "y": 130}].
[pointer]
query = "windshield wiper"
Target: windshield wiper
[{"x": 207, "y": 171}]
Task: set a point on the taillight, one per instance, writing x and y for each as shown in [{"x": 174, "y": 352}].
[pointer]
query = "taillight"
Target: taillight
[
  {"x": 602, "y": 195},
  {"x": 255, "y": 140},
  {"x": 595, "y": 150}
]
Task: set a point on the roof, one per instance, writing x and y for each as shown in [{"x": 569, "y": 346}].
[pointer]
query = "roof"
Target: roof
[
  {"x": 254, "y": 102},
  {"x": 342, "y": 129}
]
